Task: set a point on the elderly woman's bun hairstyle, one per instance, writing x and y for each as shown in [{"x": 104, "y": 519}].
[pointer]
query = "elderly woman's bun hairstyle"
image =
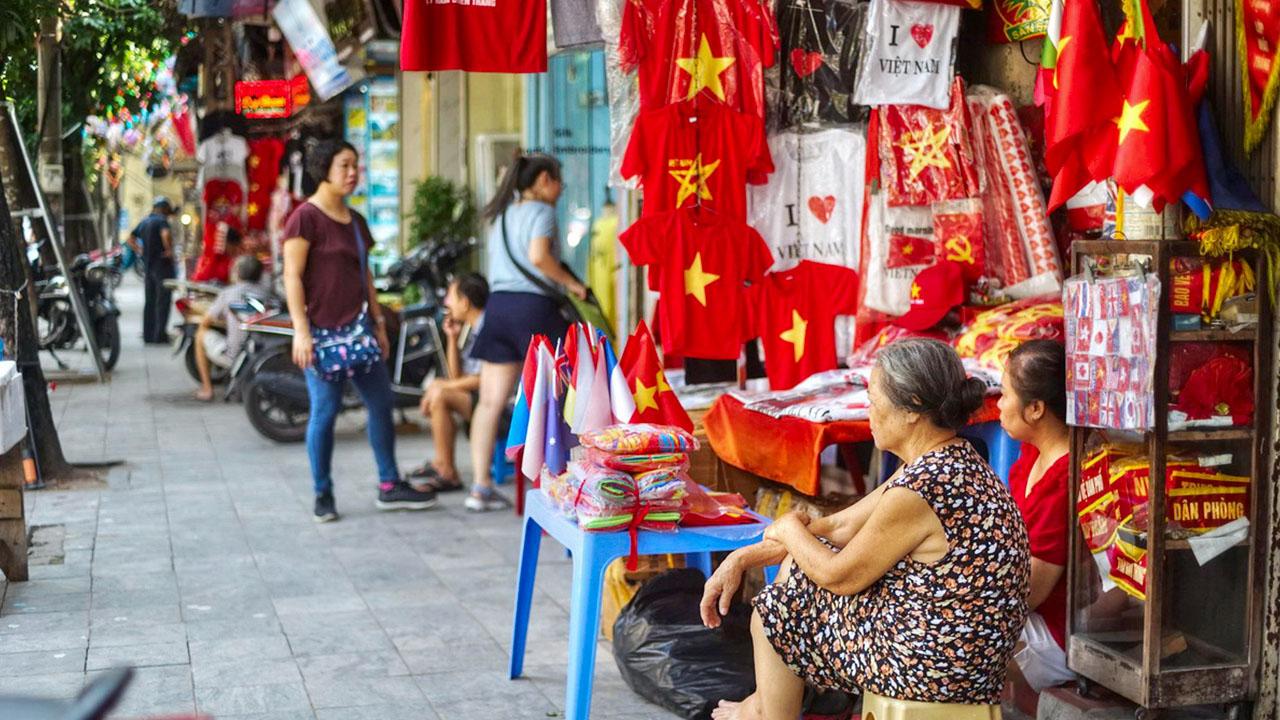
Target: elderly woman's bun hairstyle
[{"x": 927, "y": 377}]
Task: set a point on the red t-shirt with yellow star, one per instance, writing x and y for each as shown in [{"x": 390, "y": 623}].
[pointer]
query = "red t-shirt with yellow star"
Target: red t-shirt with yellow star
[
  {"x": 796, "y": 313},
  {"x": 702, "y": 261},
  {"x": 697, "y": 152},
  {"x": 711, "y": 48}
]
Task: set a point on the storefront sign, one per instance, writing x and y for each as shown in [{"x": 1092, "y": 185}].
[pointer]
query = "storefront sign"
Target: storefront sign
[
  {"x": 312, "y": 46},
  {"x": 264, "y": 99},
  {"x": 300, "y": 91},
  {"x": 272, "y": 99}
]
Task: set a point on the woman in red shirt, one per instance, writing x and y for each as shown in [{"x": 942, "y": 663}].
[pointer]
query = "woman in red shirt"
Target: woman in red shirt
[{"x": 1033, "y": 410}]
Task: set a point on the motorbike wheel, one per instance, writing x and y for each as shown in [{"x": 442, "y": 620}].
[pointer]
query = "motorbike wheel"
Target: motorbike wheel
[
  {"x": 270, "y": 417},
  {"x": 108, "y": 337}
]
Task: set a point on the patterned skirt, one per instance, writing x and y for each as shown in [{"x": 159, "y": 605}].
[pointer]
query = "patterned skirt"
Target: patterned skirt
[{"x": 811, "y": 630}]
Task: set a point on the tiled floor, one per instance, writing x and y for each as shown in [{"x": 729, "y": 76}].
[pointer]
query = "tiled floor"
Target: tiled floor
[{"x": 198, "y": 563}]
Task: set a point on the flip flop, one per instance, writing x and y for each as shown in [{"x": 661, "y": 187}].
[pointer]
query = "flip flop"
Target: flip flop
[
  {"x": 426, "y": 470},
  {"x": 441, "y": 484}
]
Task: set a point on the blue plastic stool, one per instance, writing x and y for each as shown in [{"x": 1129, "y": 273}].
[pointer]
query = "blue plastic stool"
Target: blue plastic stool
[
  {"x": 1001, "y": 450},
  {"x": 592, "y": 552},
  {"x": 501, "y": 469}
]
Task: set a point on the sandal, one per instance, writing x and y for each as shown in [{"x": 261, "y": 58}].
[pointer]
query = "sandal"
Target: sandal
[
  {"x": 442, "y": 484},
  {"x": 425, "y": 470}
]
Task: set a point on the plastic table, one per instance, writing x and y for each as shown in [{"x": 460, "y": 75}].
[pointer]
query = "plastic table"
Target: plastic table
[{"x": 592, "y": 552}]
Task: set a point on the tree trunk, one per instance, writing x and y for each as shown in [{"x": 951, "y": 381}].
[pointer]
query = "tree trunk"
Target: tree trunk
[
  {"x": 24, "y": 347},
  {"x": 80, "y": 229}
]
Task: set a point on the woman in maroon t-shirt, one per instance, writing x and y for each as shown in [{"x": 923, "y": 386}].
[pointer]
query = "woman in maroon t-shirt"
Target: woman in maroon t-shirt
[
  {"x": 330, "y": 288},
  {"x": 1033, "y": 410}
]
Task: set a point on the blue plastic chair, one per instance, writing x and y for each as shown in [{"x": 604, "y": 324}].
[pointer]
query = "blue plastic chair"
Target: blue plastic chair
[
  {"x": 592, "y": 553},
  {"x": 992, "y": 442}
]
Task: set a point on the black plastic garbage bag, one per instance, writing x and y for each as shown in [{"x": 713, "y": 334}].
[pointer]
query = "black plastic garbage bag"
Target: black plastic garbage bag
[{"x": 668, "y": 657}]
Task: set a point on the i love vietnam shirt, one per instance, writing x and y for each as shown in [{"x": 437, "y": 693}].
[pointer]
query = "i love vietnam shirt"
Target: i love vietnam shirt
[{"x": 702, "y": 262}]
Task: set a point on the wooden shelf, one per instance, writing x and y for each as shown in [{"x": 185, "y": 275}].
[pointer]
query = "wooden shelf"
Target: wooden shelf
[
  {"x": 1212, "y": 335},
  {"x": 1212, "y": 434},
  {"x": 1185, "y": 544}
]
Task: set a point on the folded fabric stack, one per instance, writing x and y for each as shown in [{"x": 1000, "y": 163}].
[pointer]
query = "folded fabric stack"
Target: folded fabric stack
[{"x": 628, "y": 477}]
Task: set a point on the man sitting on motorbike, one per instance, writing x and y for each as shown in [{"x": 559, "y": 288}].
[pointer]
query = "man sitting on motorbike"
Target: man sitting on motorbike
[
  {"x": 247, "y": 273},
  {"x": 449, "y": 402}
]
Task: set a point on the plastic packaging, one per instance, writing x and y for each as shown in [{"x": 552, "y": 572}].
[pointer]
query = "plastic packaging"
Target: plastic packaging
[
  {"x": 606, "y": 499},
  {"x": 640, "y": 439},
  {"x": 637, "y": 463},
  {"x": 668, "y": 657}
]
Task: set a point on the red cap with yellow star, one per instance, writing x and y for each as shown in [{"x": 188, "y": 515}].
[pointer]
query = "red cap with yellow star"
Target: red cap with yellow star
[{"x": 935, "y": 291}]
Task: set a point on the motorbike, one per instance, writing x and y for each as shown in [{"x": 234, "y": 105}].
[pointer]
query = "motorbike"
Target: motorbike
[
  {"x": 57, "y": 328},
  {"x": 274, "y": 390},
  {"x": 193, "y": 300}
]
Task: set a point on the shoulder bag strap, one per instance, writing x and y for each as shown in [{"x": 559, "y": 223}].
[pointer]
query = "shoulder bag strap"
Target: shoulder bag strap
[
  {"x": 538, "y": 282},
  {"x": 361, "y": 251}
]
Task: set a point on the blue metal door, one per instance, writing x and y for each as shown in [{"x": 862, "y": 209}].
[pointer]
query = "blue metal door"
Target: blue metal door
[{"x": 568, "y": 117}]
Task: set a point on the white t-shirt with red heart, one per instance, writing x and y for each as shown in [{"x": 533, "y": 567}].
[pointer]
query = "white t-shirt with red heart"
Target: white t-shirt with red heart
[
  {"x": 811, "y": 208},
  {"x": 909, "y": 58}
]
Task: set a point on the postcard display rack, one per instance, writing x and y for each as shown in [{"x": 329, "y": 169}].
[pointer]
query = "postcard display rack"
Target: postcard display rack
[{"x": 1196, "y": 637}]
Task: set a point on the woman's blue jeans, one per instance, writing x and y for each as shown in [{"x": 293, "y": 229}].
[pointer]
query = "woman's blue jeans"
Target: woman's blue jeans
[{"x": 326, "y": 402}]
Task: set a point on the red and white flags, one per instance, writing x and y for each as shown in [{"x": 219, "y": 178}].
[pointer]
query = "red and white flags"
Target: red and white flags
[
  {"x": 581, "y": 387},
  {"x": 1120, "y": 112}
]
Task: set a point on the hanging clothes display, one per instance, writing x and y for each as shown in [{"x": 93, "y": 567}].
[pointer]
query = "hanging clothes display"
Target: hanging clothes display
[
  {"x": 811, "y": 208},
  {"x": 502, "y": 36},
  {"x": 573, "y": 22},
  {"x": 222, "y": 156},
  {"x": 697, "y": 153},
  {"x": 926, "y": 155},
  {"x": 821, "y": 44},
  {"x": 887, "y": 287},
  {"x": 602, "y": 269},
  {"x": 909, "y": 55},
  {"x": 688, "y": 48},
  {"x": 265, "y": 155},
  {"x": 223, "y": 213},
  {"x": 796, "y": 314},
  {"x": 1014, "y": 208},
  {"x": 701, "y": 260}
]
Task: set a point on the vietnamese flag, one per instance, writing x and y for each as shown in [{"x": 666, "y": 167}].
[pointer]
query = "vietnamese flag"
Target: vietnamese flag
[
  {"x": 1158, "y": 143},
  {"x": 1086, "y": 94},
  {"x": 655, "y": 402}
]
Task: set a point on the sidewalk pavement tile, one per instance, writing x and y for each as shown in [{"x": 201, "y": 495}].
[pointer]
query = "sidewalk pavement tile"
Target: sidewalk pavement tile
[
  {"x": 155, "y": 654},
  {"x": 198, "y": 562}
]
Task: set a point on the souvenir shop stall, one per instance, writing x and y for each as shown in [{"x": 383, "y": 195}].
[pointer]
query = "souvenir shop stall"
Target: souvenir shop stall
[{"x": 813, "y": 180}]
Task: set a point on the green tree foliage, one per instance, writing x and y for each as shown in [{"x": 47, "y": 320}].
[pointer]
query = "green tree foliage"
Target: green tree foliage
[
  {"x": 105, "y": 47},
  {"x": 441, "y": 211}
]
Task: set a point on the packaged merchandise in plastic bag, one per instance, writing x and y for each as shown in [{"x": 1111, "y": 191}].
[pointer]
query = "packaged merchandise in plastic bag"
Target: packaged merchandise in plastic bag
[
  {"x": 668, "y": 657},
  {"x": 640, "y": 439},
  {"x": 927, "y": 155},
  {"x": 637, "y": 463}
]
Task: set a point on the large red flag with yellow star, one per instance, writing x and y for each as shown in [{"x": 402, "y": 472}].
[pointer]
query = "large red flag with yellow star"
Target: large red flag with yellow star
[
  {"x": 655, "y": 401},
  {"x": 1085, "y": 97},
  {"x": 1157, "y": 138}
]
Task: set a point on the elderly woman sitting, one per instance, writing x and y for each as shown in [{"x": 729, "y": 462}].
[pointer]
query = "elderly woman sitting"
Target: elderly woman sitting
[{"x": 916, "y": 593}]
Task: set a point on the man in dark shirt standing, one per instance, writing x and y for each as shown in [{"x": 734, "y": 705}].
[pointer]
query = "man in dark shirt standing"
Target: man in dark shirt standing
[{"x": 157, "y": 254}]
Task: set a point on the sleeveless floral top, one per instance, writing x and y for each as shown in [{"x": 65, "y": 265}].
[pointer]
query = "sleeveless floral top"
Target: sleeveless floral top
[{"x": 945, "y": 631}]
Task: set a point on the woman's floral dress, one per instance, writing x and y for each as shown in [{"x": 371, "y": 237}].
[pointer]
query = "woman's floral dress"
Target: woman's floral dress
[{"x": 940, "y": 632}]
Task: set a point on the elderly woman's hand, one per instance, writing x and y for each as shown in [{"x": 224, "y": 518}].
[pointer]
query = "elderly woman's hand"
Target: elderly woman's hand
[
  {"x": 782, "y": 528},
  {"x": 721, "y": 587}
]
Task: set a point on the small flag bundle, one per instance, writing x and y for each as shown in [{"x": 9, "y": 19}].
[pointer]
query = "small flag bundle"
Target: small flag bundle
[{"x": 581, "y": 386}]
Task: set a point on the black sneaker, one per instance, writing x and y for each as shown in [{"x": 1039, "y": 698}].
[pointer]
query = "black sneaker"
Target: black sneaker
[
  {"x": 326, "y": 511},
  {"x": 402, "y": 497}
]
